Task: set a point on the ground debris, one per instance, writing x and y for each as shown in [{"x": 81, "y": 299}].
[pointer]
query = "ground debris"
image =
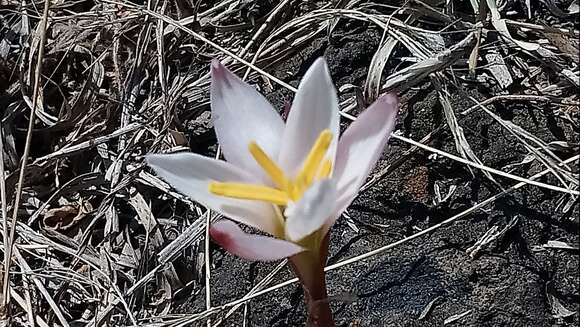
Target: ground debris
[{"x": 99, "y": 239}]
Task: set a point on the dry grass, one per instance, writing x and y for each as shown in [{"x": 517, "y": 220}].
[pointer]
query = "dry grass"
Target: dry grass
[{"x": 87, "y": 88}]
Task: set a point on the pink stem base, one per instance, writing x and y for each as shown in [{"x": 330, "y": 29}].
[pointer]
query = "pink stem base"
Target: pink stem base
[
  {"x": 319, "y": 312},
  {"x": 309, "y": 267}
]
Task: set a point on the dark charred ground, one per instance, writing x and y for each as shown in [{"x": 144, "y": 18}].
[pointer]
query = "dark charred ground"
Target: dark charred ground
[{"x": 504, "y": 285}]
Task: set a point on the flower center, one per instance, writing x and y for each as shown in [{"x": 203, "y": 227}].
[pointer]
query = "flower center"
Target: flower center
[{"x": 287, "y": 190}]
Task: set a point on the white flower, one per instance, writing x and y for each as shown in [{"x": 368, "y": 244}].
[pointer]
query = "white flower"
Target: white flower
[{"x": 290, "y": 180}]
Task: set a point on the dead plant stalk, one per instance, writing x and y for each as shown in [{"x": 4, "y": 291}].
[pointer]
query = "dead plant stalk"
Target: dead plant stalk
[{"x": 35, "y": 102}]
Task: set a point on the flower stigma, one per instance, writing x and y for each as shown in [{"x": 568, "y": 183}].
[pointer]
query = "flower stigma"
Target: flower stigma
[{"x": 287, "y": 190}]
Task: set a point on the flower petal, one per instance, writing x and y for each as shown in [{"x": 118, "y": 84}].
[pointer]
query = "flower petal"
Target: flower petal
[
  {"x": 252, "y": 247},
  {"x": 312, "y": 210},
  {"x": 315, "y": 108},
  {"x": 242, "y": 115},
  {"x": 361, "y": 146},
  {"x": 190, "y": 174}
]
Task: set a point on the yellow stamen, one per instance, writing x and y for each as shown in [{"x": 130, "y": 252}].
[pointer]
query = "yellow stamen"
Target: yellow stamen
[
  {"x": 315, "y": 166},
  {"x": 249, "y": 192},
  {"x": 269, "y": 166},
  {"x": 295, "y": 191},
  {"x": 325, "y": 169},
  {"x": 314, "y": 158}
]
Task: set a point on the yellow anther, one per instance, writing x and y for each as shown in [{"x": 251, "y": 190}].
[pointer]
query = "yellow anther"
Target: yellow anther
[
  {"x": 249, "y": 192},
  {"x": 325, "y": 169},
  {"x": 269, "y": 166},
  {"x": 312, "y": 162}
]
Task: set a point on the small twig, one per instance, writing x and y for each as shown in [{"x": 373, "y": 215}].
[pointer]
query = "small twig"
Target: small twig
[
  {"x": 485, "y": 168},
  {"x": 266, "y": 24},
  {"x": 22, "y": 303},
  {"x": 36, "y": 90},
  {"x": 40, "y": 286},
  {"x": 512, "y": 97},
  {"x": 3, "y": 198},
  {"x": 69, "y": 150},
  {"x": 207, "y": 266},
  {"x": 542, "y": 28}
]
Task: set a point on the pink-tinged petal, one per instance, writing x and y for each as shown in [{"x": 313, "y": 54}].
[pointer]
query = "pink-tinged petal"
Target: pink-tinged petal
[
  {"x": 361, "y": 146},
  {"x": 312, "y": 210},
  {"x": 190, "y": 174},
  {"x": 242, "y": 115},
  {"x": 315, "y": 108},
  {"x": 251, "y": 247}
]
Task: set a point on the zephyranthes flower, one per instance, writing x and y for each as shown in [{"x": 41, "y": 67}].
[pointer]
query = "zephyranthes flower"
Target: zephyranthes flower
[{"x": 289, "y": 180}]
